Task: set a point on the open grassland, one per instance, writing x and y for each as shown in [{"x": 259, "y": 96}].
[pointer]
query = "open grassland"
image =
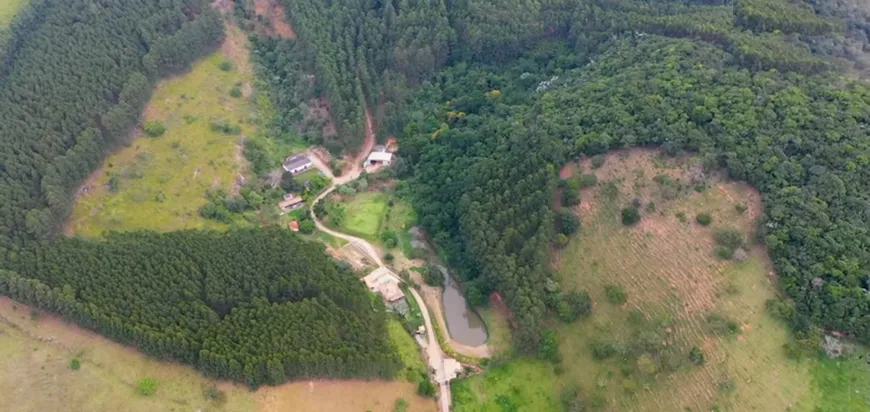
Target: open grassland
[
  {"x": 160, "y": 182},
  {"x": 364, "y": 213},
  {"x": 8, "y": 9},
  {"x": 674, "y": 284},
  {"x": 37, "y": 353},
  {"x": 520, "y": 385}
]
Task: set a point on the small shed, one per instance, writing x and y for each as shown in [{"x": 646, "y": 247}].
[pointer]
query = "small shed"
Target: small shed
[{"x": 291, "y": 202}]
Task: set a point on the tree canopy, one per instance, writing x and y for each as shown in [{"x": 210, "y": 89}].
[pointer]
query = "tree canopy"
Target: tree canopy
[{"x": 259, "y": 306}]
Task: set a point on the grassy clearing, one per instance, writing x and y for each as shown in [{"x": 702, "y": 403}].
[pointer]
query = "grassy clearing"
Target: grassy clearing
[
  {"x": 674, "y": 283},
  {"x": 409, "y": 352},
  {"x": 8, "y": 9},
  {"x": 159, "y": 183},
  {"x": 842, "y": 384},
  {"x": 521, "y": 385},
  {"x": 364, "y": 213},
  {"x": 37, "y": 354}
]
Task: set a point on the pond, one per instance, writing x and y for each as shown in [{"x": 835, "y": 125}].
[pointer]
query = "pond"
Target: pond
[{"x": 464, "y": 325}]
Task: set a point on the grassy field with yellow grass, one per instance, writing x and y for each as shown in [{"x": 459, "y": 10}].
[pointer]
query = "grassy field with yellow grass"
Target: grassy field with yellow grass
[
  {"x": 8, "y": 9},
  {"x": 160, "y": 182},
  {"x": 37, "y": 352}
]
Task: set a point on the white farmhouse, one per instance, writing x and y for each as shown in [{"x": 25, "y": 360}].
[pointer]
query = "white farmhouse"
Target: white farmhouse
[{"x": 297, "y": 164}]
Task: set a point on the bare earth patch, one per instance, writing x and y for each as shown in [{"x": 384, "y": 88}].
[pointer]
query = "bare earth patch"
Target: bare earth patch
[{"x": 279, "y": 25}]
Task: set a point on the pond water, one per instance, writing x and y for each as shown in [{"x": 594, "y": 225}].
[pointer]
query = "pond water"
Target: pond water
[{"x": 465, "y": 325}]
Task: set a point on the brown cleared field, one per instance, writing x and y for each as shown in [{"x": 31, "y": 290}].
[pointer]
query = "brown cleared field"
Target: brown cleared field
[
  {"x": 673, "y": 281},
  {"x": 35, "y": 356}
]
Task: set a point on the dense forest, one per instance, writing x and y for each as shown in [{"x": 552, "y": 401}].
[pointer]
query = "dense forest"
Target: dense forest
[
  {"x": 75, "y": 75},
  {"x": 484, "y": 141},
  {"x": 257, "y": 305}
]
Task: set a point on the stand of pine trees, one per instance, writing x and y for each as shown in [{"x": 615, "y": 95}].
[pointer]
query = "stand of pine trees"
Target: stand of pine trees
[{"x": 259, "y": 306}]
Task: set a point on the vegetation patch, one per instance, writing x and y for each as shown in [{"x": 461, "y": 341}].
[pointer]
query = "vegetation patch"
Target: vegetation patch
[
  {"x": 363, "y": 214},
  {"x": 162, "y": 183},
  {"x": 516, "y": 386},
  {"x": 693, "y": 332},
  {"x": 291, "y": 304}
]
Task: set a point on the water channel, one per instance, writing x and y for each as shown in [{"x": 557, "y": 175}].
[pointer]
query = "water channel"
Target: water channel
[{"x": 464, "y": 325}]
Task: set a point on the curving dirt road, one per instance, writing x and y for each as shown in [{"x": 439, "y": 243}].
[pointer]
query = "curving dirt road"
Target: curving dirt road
[{"x": 433, "y": 350}]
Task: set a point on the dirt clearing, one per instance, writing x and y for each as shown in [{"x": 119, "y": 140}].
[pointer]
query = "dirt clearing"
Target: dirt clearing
[{"x": 277, "y": 24}]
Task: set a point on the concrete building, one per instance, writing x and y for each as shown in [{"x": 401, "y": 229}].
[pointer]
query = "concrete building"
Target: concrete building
[
  {"x": 379, "y": 156},
  {"x": 385, "y": 284},
  {"x": 297, "y": 164}
]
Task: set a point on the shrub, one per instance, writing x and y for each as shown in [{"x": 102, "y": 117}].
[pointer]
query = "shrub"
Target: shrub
[
  {"x": 548, "y": 348},
  {"x": 731, "y": 239},
  {"x": 573, "y": 305},
  {"x": 720, "y": 325},
  {"x": 426, "y": 388},
  {"x": 629, "y": 385},
  {"x": 401, "y": 405},
  {"x": 587, "y": 180},
  {"x": 646, "y": 364},
  {"x": 236, "y": 92},
  {"x": 147, "y": 386},
  {"x": 561, "y": 240},
  {"x": 704, "y": 219},
  {"x": 114, "y": 182},
  {"x": 681, "y": 216},
  {"x": 433, "y": 276},
  {"x": 306, "y": 227},
  {"x": 602, "y": 351},
  {"x": 615, "y": 294},
  {"x": 570, "y": 399},
  {"x": 569, "y": 222},
  {"x": 225, "y": 127},
  {"x": 597, "y": 161},
  {"x": 225, "y": 65},
  {"x": 696, "y": 355},
  {"x": 154, "y": 128},
  {"x": 651, "y": 206},
  {"x": 630, "y": 216},
  {"x": 212, "y": 393},
  {"x": 389, "y": 238},
  {"x": 723, "y": 252},
  {"x": 389, "y": 257},
  {"x": 740, "y": 208},
  {"x": 74, "y": 364},
  {"x": 570, "y": 197}
]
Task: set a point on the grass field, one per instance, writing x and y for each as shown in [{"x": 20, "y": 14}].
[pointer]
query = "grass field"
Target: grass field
[
  {"x": 161, "y": 182},
  {"x": 520, "y": 385},
  {"x": 673, "y": 283},
  {"x": 8, "y": 9},
  {"x": 35, "y": 357},
  {"x": 408, "y": 350},
  {"x": 364, "y": 213}
]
